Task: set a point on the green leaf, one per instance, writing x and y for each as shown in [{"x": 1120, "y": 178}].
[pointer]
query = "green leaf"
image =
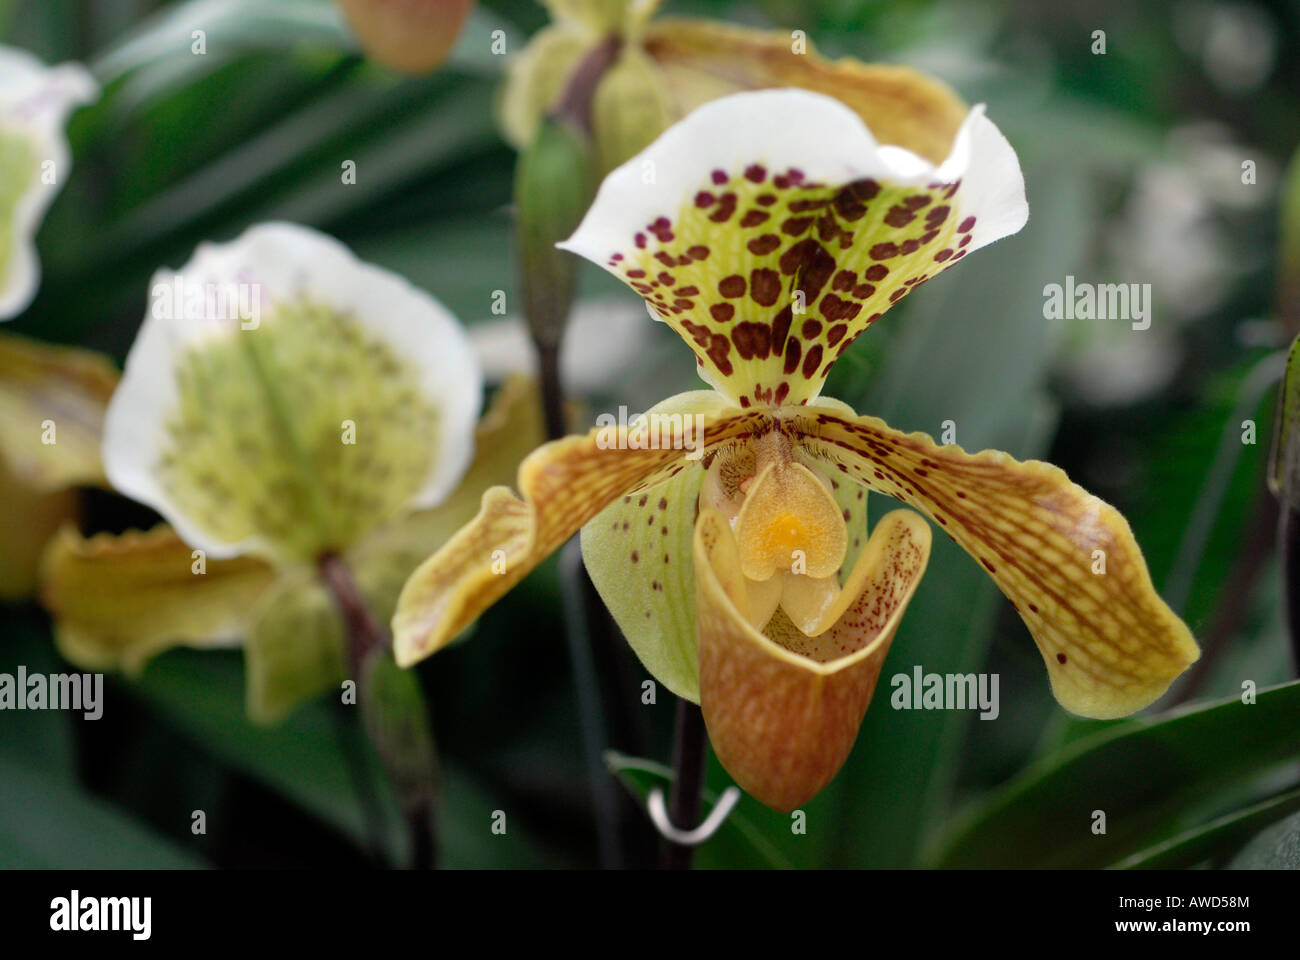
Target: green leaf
[
  {"x": 738, "y": 843},
  {"x": 47, "y": 821},
  {"x": 46, "y": 824},
  {"x": 397, "y": 720},
  {"x": 553, "y": 188},
  {"x": 1145, "y": 776},
  {"x": 1277, "y": 848},
  {"x": 229, "y": 26},
  {"x": 1215, "y": 839},
  {"x": 201, "y": 692}
]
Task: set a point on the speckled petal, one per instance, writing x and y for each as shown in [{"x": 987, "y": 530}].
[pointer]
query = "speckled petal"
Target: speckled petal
[
  {"x": 1067, "y": 560},
  {"x": 770, "y": 229},
  {"x": 638, "y": 553},
  {"x": 783, "y": 708},
  {"x": 564, "y": 484}
]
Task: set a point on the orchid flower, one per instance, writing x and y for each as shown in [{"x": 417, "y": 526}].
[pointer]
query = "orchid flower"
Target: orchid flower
[
  {"x": 776, "y": 229},
  {"x": 665, "y": 67},
  {"x": 282, "y": 402},
  {"x": 52, "y": 402},
  {"x": 35, "y": 101}
]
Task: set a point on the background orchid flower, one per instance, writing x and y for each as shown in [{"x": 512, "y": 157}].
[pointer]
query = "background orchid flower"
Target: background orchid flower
[
  {"x": 343, "y": 421},
  {"x": 667, "y": 67},
  {"x": 52, "y": 402},
  {"x": 35, "y": 160},
  {"x": 775, "y": 231}
]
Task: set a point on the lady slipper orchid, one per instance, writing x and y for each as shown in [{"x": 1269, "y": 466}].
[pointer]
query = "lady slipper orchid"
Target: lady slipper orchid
[
  {"x": 775, "y": 230},
  {"x": 282, "y": 402},
  {"x": 35, "y": 160}
]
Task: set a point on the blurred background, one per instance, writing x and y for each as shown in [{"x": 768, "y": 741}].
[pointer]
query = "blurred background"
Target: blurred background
[{"x": 1133, "y": 161}]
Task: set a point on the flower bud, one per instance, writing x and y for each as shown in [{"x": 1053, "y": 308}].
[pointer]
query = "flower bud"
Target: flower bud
[
  {"x": 409, "y": 36},
  {"x": 552, "y": 191}
]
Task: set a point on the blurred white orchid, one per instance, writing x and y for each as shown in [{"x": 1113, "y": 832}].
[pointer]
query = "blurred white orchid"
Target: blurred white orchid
[{"x": 35, "y": 101}]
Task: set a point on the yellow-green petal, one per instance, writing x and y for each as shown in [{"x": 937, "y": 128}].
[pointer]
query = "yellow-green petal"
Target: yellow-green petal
[
  {"x": 638, "y": 553},
  {"x": 117, "y": 601},
  {"x": 28, "y": 519},
  {"x": 52, "y": 402},
  {"x": 294, "y": 650},
  {"x": 702, "y": 60}
]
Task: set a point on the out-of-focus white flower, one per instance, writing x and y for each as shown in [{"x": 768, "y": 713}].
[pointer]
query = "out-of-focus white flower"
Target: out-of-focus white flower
[
  {"x": 35, "y": 159},
  {"x": 284, "y": 398},
  {"x": 284, "y": 405}
]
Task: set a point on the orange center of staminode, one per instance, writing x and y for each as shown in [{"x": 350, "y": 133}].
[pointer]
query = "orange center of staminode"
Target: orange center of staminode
[
  {"x": 788, "y": 522},
  {"x": 787, "y": 532}
]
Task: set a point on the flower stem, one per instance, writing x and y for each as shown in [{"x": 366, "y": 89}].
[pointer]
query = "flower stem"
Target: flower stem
[
  {"x": 365, "y": 635},
  {"x": 574, "y": 105},
  {"x": 690, "y": 752},
  {"x": 393, "y": 714},
  {"x": 548, "y": 359},
  {"x": 606, "y": 690},
  {"x": 353, "y": 749},
  {"x": 1289, "y": 537}
]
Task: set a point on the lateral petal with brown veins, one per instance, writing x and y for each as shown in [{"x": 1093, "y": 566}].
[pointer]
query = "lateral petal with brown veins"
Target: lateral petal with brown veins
[
  {"x": 1111, "y": 645},
  {"x": 783, "y": 708},
  {"x": 564, "y": 484}
]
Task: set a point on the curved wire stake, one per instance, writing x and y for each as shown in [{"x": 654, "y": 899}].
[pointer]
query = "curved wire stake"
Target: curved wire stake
[{"x": 658, "y": 811}]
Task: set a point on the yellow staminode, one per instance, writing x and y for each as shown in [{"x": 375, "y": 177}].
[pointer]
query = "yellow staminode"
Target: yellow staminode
[{"x": 789, "y": 521}]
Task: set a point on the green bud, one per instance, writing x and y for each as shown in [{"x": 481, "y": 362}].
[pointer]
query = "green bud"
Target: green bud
[{"x": 553, "y": 188}]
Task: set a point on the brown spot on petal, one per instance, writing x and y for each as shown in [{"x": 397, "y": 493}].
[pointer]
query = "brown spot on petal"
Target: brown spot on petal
[
  {"x": 752, "y": 340},
  {"x": 764, "y": 286},
  {"x": 811, "y": 361},
  {"x": 732, "y": 286}
]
